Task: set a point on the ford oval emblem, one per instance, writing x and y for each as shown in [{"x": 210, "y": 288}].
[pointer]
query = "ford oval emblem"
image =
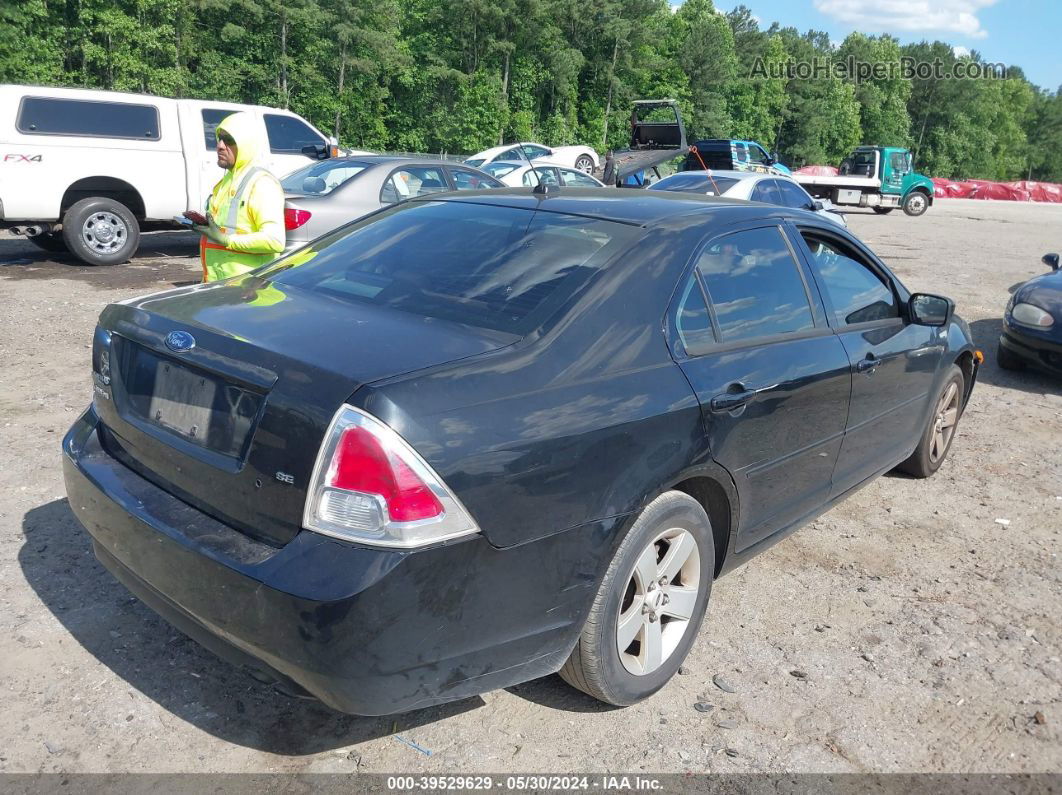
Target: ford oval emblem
[{"x": 180, "y": 341}]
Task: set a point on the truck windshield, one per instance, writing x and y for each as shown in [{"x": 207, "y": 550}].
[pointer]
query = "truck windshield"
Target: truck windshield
[
  {"x": 319, "y": 179},
  {"x": 499, "y": 268}
]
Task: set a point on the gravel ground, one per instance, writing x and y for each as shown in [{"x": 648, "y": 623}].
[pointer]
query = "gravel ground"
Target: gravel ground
[{"x": 906, "y": 630}]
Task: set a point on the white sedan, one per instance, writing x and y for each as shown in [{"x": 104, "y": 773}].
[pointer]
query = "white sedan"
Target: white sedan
[
  {"x": 518, "y": 173},
  {"x": 583, "y": 158},
  {"x": 768, "y": 188}
]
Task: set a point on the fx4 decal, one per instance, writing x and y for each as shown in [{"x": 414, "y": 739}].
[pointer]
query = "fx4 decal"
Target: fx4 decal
[{"x": 18, "y": 158}]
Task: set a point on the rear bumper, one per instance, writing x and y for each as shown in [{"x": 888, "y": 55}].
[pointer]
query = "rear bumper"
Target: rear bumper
[
  {"x": 1036, "y": 352},
  {"x": 367, "y": 631}
]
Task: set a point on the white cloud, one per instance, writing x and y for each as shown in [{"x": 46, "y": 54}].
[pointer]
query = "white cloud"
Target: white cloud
[
  {"x": 960, "y": 51},
  {"x": 951, "y": 16}
]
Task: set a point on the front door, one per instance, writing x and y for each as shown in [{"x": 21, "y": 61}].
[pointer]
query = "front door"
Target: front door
[
  {"x": 772, "y": 379},
  {"x": 893, "y": 361}
]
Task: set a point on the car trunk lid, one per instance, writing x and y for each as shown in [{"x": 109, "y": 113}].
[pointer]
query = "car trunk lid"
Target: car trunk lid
[{"x": 221, "y": 395}]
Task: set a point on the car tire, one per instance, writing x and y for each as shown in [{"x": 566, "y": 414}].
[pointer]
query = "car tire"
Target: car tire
[
  {"x": 938, "y": 435},
  {"x": 916, "y": 203},
  {"x": 658, "y": 541},
  {"x": 101, "y": 231},
  {"x": 49, "y": 241},
  {"x": 1007, "y": 360},
  {"x": 584, "y": 163},
  {"x": 883, "y": 210}
]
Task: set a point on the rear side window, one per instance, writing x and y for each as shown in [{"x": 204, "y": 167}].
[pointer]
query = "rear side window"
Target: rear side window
[
  {"x": 499, "y": 268},
  {"x": 578, "y": 179},
  {"x": 755, "y": 285},
  {"x": 548, "y": 176},
  {"x": 692, "y": 320},
  {"x": 856, "y": 292},
  {"x": 55, "y": 116},
  {"x": 288, "y": 135},
  {"x": 470, "y": 180},
  {"x": 406, "y": 183},
  {"x": 212, "y": 117}
]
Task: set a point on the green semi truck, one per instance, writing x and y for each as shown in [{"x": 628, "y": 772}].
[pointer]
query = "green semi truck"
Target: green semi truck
[{"x": 880, "y": 177}]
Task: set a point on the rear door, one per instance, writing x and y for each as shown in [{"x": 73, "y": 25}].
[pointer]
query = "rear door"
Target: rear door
[
  {"x": 772, "y": 379},
  {"x": 893, "y": 362}
]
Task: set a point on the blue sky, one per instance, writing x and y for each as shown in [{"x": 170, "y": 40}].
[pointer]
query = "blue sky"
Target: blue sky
[{"x": 1025, "y": 33}]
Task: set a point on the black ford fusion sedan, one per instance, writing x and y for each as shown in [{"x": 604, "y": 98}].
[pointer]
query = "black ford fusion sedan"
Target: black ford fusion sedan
[
  {"x": 1032, "y": 323},
  {"x": 475, "y": 439}
]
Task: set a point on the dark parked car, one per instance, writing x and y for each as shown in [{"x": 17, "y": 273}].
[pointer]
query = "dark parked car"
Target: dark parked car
[
  {"x": 1032, "y": 323},
  {"x": 475, "y": 439}
]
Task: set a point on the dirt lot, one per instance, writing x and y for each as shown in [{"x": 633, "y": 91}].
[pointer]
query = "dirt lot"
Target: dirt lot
[{"x": 928, "y": 632}]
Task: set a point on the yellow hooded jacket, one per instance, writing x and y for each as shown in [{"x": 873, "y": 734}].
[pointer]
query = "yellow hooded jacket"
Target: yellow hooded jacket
[{"x": 247, "y": 204}]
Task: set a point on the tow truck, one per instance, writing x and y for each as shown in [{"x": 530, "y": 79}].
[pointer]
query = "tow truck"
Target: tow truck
[
  {"x": 879, "y": 177},
  {"x": 657, "y": 136}
]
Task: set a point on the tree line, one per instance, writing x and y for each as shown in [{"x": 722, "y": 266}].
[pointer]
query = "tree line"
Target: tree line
[{"x": 458, "y": 76}]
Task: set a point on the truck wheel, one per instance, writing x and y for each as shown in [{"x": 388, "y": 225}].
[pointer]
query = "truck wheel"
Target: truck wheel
[
  {"x": 883, "y": 210},
  {"x": 585, "y": 163},
  {"x": 915, "y": 204},
  {"x": 649, "y": 607},
  {"x": 101, "y": 231},
  {"x": 49, "y": 241}
]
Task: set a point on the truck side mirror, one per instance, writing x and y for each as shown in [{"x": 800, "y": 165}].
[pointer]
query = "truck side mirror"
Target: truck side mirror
[
  {"x": 316, "y": 151},
  {"x": 1051, "y": 261},
  {"x": 775, "y": 157}
]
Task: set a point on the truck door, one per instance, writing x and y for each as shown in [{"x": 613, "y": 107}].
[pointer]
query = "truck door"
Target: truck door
[
  {"x": 201, "y": 153},
  {"x": 897, "y": 165},
  {"x": 287, "y": 136}
]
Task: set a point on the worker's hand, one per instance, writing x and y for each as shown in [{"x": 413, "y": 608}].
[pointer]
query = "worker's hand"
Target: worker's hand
[{"x": 214, "y": 233}]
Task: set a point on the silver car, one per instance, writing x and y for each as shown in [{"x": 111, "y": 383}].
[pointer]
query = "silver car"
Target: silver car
[
  {"x": 767, "y": 188},
  {"x": 329, "y": 193}
]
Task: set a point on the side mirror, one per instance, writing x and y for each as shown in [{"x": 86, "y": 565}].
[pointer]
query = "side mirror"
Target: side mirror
[
  {"x": 775, "y": 157},
  {"x": 818, "y": 204},
  {"x": 313, "y": 185},
  {"x": 930, "y": 310},
  {"x": 316, "y": 151},
  {"x": 1051, "y": 261}
]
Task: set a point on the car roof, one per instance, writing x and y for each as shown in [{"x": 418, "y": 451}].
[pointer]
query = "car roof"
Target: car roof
[{"x": 622, "y": 205}]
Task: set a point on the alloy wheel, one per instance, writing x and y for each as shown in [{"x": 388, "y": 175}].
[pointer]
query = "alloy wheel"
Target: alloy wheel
[
  {"x": 659, "y": 601},
  {"x": 944, "y": 421}
]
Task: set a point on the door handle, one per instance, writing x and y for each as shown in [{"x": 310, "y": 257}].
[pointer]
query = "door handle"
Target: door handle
[
  {"x": 868, "y": 365},
  {"x": 729, "y": 401}
]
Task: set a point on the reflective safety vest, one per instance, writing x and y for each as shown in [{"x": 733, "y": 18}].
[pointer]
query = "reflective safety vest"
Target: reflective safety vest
[{"x": 251, "y": 219}]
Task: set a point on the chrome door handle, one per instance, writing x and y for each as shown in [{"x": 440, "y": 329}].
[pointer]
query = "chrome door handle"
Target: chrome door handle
[
  {"x": 868, "y": 365},
  {"x": 728, "y": 401}
]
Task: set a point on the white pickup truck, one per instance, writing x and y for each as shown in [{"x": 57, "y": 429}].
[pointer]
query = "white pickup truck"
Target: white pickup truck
[{"x": 87, "y": 171}]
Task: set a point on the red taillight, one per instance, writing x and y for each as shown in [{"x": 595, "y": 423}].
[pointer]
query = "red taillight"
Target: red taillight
[
  {"x": 361, "y": 464},
  {"x": 294, "y": 218}
]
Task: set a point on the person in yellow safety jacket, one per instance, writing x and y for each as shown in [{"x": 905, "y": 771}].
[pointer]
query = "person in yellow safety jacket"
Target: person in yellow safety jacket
[{"x": 245, "y": 212}]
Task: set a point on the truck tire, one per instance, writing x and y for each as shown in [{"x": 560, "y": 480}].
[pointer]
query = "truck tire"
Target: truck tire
[
  {"x": 49, "y": 241},
  {"x": 916, "y": 203},
  {"x": 883, "y": 210},
  {"x": 101, "y": 231}
]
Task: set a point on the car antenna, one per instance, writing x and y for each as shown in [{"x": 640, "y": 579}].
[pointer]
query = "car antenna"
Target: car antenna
[
  {"x": 697, "y": 152},
  {"x": 540, "y": 187}
]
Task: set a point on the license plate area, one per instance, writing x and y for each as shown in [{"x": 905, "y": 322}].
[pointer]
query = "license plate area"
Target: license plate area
[{"x": 198, "y": 406}]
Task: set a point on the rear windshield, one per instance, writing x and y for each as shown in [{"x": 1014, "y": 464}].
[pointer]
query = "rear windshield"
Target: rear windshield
[
  {"x": 319, "y": 179},
  {"x": 498, "y": 268},
  {"x": 696, "y": 183}
]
